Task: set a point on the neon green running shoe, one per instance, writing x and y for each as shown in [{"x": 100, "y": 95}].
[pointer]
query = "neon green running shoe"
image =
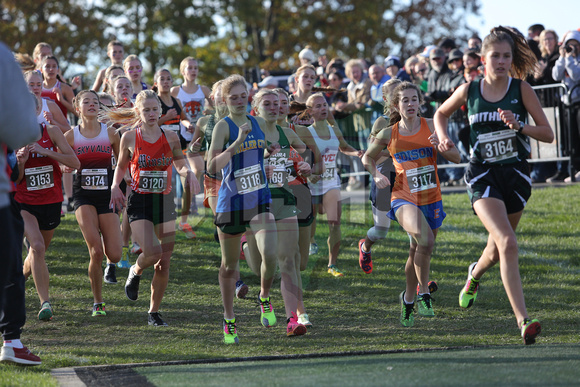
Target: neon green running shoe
[
  {"x": 124, "y": 262},
  {"x": 230, "y": 332},
  {"x": 46, "y": 312},
  {"x": 468, "y": 294},
  {"x": 530, "y": 329},
  {"x": 99, "y": 310},
  {"x": 333, "y": 270},
  {"x": 268, "y": 318},
  {"x": 407, "y": 318},
  {"x": 425, "y": 305}
]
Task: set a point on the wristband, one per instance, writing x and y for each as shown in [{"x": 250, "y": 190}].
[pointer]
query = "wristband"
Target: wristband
[{"x": 522, "y": 124}]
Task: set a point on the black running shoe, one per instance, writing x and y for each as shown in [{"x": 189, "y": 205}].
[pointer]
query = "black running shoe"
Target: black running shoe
[
  {"x": 155, "y": 320},
  {"x": 132, "y": 284},
  {"x": 110, "y": 274}
]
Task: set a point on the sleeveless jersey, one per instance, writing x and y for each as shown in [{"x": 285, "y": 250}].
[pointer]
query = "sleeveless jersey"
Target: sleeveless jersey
[
  {"x": 244, "y": 183},
  {"x": 175, "y": 123},
  {"x": 329, "y": 150},
  {"x": 42, "y": 182},
  {"x": 296, "y": 158},
  {"x": 96, "y": 172},
  {"x": 40, "y": 117},
  {"x": 143, "y": 87},
  {"x": 193, "y": 105},
  {"x": 415, "y": 162},
  {"x": 283, "y": 167},
  {"x": 151, "y": 165},
  {"x": 51, "y": 94},
  {"x": 492, "y": 141}
]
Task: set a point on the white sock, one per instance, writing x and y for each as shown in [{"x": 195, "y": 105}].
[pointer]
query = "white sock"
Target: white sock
[{"x": 16, "y": 343}]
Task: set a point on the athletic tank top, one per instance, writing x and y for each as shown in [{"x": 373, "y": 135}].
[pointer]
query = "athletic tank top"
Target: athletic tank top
[
  {"x": 96, "y": 171},
  {"x": 42, "y": 177},
  {"x": 415, "y": 161},
  {"x": 40, "y": 117},
  {"x": 492, "y": 141},
  {"x": 283, "y": 166},
  {"x": 193, "y": 104},
  {"x": 296, "y": 158},
  {"x": 51, "y": 94},
  {"x": 143, "y": 87},
  {"x": 244, "y": 184},
  {"x": 208, "y": 132},
  {"x": 175, "y": 123},
  {"x": 151, "y": 165},
  {"x": 329, "y": 150}
]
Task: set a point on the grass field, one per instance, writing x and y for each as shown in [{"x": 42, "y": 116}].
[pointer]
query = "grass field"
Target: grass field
[{"x": 358, "y": 312}]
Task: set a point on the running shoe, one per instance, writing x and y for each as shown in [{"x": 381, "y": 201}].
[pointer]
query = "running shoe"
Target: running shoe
[
  {"x": 46, "y": 312},
  {"x": 407, "y": 318},
  {"x": 241, "y": 289},
  {"x": 304, "y": 320},
  {"x": 468, "y": 294},
  {"x": 313, "y": 249},
  {"x": 136, "y": 249},
  {"x": 294, "y": 328},
  {"x": 99, "y": 310},
  {"x": 132, "y": 285},
  {"x": 124, "y": 262},
  {"x": 230, "y": 332},
  {"x": 243, "y": 240},
  {"x": 110, "y": 274},
  {"x": 19, "y": 355},
  {"x": 425, "y": 305},
  {"x": 187, "y": 229},
  {"x": 432, "y": 287},
  {"x": 268, "y": 318},
  {"x": 332, "y": 269},
  {"x": 530, "y": 329},
  {"x": 364, "y": 258},
  {"x": 155, "y": 320}
]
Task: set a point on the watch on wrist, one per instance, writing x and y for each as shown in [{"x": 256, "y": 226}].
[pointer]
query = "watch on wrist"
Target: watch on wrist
[{"x": 522, "y": 124}]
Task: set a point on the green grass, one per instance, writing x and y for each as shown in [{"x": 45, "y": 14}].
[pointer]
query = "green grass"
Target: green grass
[{"x": 354, "y": 313}]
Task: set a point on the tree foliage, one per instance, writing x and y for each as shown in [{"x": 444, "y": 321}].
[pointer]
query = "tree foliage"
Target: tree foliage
[{"x": 230, "y": 36}]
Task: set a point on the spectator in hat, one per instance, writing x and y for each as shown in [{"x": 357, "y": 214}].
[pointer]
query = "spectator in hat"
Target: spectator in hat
[
  {"x": 474, "y": 43},
  {"x": 307, "y": 56},
  {"x": 394, "y": 69},
  {"x": 269, "y": 83}
]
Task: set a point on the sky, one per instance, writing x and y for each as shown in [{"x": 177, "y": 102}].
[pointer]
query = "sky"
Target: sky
[{"x": 558, "y": 15}]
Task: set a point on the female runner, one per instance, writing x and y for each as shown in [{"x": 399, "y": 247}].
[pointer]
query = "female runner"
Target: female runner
[
  {"x": 237, "y": 148},
  {"x": 54, "y": 87},
  {"x": 498, "y": 174},
  {"x": 192, "y": 97},
  {"x": 50, "y": 114},
  {"x": 283, "y": 207},
  {"x": 151, "y": 152},
  {"x": 93, "y": 144},
  {"x": 416, "y": 194},
  {"x": 115, "y": 52},
  {"x": 134, "y": 69},
  {"x": 325, "y": 188},
  {"x": 172, "y": 118},
  {"x": 39, "y": 193}
]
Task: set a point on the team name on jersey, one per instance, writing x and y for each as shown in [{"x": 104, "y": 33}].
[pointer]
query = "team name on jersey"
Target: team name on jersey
[
  {"x": 94, "y": 148},
  {"x": 413, "y": 154},
  {"x": 145, "y": 161},
  {"x": 329, "y": 157},
  {"x": 482, "y": 117},
  {"x": 251, "y": 144},
  {"x": 35, "y": 155}
]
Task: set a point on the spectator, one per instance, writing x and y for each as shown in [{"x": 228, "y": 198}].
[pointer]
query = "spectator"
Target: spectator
[
  {"x": 410, "y": 67},
  {"x": 567, "y": 70},
  {"x": 474, "y": 43},
  {"x": 269, "y": 83},
  {"x": 14, "y": 97},
  {"x": 394, "y": 69},
  {"x": 447, "y": 45},
  {"x": 307, "y": 56},
  {"x": 471, "y": 58},
  {"x": 378, "y": 77},
  {"x": 534, "y": 38}
]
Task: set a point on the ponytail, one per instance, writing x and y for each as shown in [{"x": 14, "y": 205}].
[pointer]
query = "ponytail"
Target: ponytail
[{"x": 523, "y": 59}]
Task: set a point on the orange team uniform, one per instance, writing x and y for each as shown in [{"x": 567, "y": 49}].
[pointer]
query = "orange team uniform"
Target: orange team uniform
[{"x": 415, "y": 161}]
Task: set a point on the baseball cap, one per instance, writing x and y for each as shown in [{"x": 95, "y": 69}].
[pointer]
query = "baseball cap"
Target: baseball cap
[
  {"x": 455, "y": 54},
  {"x": 392, "y": 61},
  {"x": 437, "y": 53},
  {"x": 268, "y": 81},
  {"x": 307, "y": 54}
]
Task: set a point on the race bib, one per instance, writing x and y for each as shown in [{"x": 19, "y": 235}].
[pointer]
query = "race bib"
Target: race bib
[
  {"x": 498, "y": 146},
  {"x": 282, "y": 170},
  {"x": 422, "y": 178},
  {"x": 152, "y": 181},
  {"x": 329, "y": 173},
  {"x": 95, "y": 179},
  {"x": 39, "y": 178},
  {"x": 249, "y": 179}
]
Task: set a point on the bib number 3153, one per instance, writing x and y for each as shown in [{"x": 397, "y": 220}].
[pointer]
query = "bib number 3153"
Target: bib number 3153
[{"x": 39, "y": 178}]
